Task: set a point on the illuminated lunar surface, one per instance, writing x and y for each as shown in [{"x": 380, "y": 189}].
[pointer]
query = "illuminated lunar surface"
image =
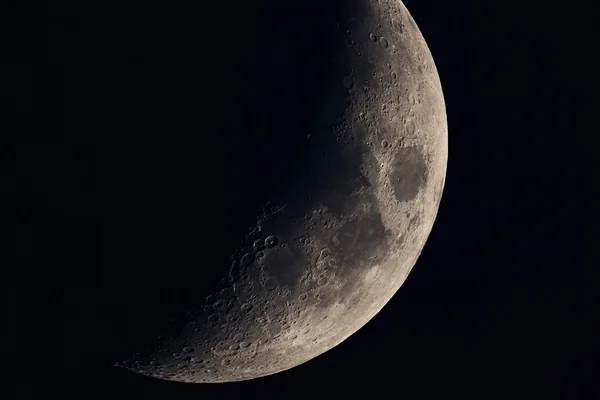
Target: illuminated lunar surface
[{"x": 327, "y": 249}]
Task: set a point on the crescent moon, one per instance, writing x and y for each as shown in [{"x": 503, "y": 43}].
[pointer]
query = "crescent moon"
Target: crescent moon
[{"x": 328, "y": 251}]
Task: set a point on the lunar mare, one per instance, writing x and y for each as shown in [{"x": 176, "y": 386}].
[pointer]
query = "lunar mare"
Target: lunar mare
[{"x": 318, "y": 264}]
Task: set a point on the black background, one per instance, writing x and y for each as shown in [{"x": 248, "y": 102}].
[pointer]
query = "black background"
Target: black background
[{"x": 492, "y": 308}]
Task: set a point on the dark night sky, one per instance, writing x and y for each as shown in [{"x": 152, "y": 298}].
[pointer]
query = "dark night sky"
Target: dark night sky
[{"x": 488, "y": 311}]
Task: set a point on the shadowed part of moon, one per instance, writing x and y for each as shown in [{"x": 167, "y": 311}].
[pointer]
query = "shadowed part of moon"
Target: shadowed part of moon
[
  {"x": 299, "y": 166},
  {"x": 228, "y": 220},
  {"x": 409, "y": 173}
]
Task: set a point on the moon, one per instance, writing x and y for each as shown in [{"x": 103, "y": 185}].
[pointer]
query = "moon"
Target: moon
[{"x": 325, "y": 238}]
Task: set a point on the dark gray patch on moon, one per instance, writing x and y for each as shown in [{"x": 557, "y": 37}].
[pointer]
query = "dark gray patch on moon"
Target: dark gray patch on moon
[
  {"x": 409, "y": 173},
  {"x": 359, "y": 243},
  {"x": 362, "y": 247},
  {"x": 360, "y": 239},
  {"x": 414, "y": 221},
  {"x": 285, "y": 265}
]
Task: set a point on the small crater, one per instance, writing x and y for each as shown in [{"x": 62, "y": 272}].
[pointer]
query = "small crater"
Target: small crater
[
  {"x": 246, "y": 259},
  {"x": 271, "y": 241},
  {"x": 263, "y": 341},
  {"x": 258, "y": 244},
  {"x": 412, "y": 98},
  {"x": 372, "y": 37},
  {"x": 399, "y": 26},
  {"x": 414, "y": 221},
  {"x": 325, "y": 253}
]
